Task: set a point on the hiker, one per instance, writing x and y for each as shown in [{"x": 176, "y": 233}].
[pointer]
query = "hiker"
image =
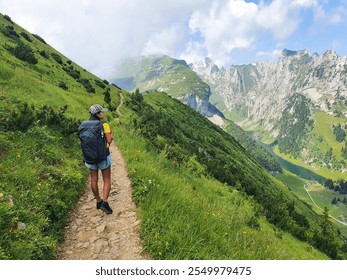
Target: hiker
[{"x": 97, "y": 114}]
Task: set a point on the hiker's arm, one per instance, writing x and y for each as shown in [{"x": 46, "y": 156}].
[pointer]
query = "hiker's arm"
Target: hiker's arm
[
  {"x": 109, "y": 137},
  {"x": 108, "y": 133}
]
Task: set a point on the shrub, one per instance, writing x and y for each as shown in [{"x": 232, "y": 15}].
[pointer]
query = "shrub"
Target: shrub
[
  {"x": 72, "y": 72},
  {"x": 116, "y": 86},
  {"x": 26, "y": 36},
  {"x": 107, "y": 96},
  {"x": 63, "y": 86},
  {"x": 22, "y": 119},
  {"x": 44, "y": 54},
  {"x": 9, "y": 31},
  {"x": 57, "y": 58},
  {"x": 339, "y": 133},
  {"x": 86, "y": 83},
  {"x": 46, "y": 115},
  {"x": 8, "y": 18},
  {"x": 39, "y": 38},
  {"x": 27, "y": 115},
  {"x": 100, "y": 84},
  {"x": 25, "y": 53},
  {"x": 136, "y": 101}
]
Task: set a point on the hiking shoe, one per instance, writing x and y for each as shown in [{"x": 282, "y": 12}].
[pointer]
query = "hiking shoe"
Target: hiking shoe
[
  {"x": 98, "y": 204},
  {"x": 105, "y": 207}
]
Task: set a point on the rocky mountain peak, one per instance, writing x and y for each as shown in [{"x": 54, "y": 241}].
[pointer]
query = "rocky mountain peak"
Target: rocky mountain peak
[
  {"x": 259, "y": 94},
  {"x": 331, "y": 54},
  {"x": 289, "y": 53},
  {"x": 264, "y": 88}
]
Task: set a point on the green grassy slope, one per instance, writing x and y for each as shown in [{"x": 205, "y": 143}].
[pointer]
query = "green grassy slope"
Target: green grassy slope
[
  {"x": 252, "y": 147},
  {"x": 185, "y": 216},
  {"x": 42, "y": 82},
  {"x": 161, "y": 72},
  {"x": 42, "y": 173}
]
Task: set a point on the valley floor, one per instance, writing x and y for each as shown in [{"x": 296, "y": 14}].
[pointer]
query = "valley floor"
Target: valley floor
[
  {"x": 307, "y": 187},
  {"x": 93, "y": 235}
]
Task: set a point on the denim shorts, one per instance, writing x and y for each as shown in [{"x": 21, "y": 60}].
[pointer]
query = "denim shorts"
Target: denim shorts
[{"x": 100, "y": 166}]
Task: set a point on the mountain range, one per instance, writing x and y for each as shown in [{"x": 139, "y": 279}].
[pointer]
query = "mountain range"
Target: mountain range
[{"x": 298, "y": 103}]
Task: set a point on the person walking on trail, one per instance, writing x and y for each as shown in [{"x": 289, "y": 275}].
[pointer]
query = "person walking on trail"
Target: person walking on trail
[{"x": 103, "y": 161}]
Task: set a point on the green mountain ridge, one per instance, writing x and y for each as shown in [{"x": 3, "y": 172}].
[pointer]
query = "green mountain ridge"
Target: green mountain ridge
[
  {"x": 147, "y": 73},
  {"x": 165, "y": 74},
  {"x": 200, "y": 195}
]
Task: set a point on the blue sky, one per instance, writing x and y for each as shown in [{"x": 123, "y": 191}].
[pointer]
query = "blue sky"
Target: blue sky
[{"x": 98, "y": 34}]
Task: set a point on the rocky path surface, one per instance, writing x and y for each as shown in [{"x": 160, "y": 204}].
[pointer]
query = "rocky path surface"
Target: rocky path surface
[{"x": 93, "y": 235}]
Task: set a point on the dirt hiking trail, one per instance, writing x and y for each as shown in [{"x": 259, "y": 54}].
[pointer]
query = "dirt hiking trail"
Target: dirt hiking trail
[{"x": 91, "y": 234}]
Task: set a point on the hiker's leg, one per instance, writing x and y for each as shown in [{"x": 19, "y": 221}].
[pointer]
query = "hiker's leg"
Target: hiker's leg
[
  {"x": 94, "y": 184},
  {"x": 106, "y": 176}
]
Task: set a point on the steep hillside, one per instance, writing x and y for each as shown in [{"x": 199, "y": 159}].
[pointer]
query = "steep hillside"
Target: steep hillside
[
  {"x": 43, "y": 95},
  {"x": 203, "y": 152},
  {"x": 252, "y": 147}
]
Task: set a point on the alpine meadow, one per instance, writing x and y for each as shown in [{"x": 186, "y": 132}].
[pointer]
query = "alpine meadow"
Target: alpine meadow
[{"x": 199, "y": 193}]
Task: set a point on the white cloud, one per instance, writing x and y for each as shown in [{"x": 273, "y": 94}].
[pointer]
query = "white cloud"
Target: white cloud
[
  {"x": 194, "y": 52},
  {"x": 323, "y": 12},
  {"x": 167, "y": 41},
  {"x": 225, "y": 26},
  {"x": 335, "y": 16},
  {"x": 236, "y": 25},
  {"x": 335, "y": 44},
  {"x": 304, "y": 3},
  {"x": 280, "y": 18},
  {"x": 97, "y": 34}
]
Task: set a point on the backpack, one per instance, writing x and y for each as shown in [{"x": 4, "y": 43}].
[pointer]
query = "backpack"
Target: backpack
[{"x": 91, "y": 134}]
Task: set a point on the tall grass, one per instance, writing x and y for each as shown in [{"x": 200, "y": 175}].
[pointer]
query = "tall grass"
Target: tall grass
[
  {"x": 185, "y": 216},
  {"x": 40, "y": 181}
]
